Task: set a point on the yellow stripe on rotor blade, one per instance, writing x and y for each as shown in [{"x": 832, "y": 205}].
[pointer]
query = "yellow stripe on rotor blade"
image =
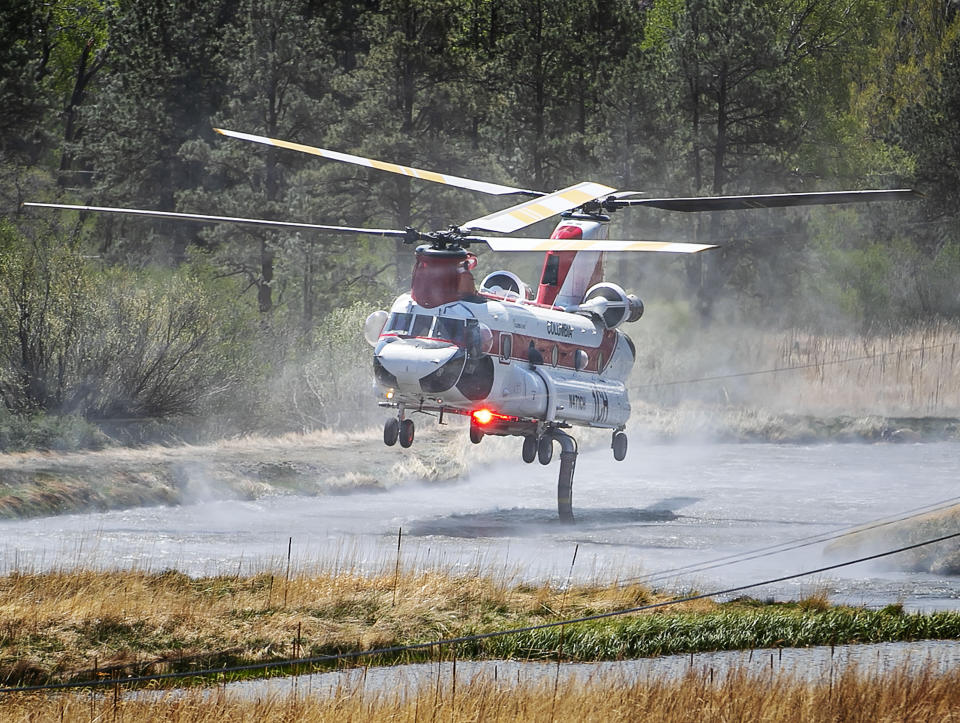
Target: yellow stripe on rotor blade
[
  {"x": 468, "y": 183},
  {"x": 508, "y": 243},
  {"x": 517, "y": 217}
]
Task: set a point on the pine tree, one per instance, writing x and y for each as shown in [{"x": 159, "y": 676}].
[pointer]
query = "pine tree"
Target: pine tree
[{"x": 163, "y": 86}]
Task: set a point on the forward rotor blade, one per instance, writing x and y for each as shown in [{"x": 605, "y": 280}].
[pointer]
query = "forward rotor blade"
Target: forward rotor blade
[
  {"x": 494, "y": 189},
  {"x": 517, "y": 217},
  {"x": 771, "y": 200},
  {"x": 508, "y": 243},
  {"x": 202, "y": 218}
]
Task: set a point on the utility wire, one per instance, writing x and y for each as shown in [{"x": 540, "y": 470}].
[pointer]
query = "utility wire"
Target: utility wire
[
  {"x": 396, "y": 649},
  {"x": 798, "y": 367},
  {"x": 804, "y": 541},
  {"x": 789, "y": 545}
]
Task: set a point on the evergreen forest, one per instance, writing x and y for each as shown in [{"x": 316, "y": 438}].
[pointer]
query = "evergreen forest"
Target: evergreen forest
[{"x": 148, "y": 328}]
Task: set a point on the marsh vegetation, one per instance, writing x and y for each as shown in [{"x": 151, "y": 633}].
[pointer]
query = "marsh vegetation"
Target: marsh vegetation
[{"x": 80, "y": 624}]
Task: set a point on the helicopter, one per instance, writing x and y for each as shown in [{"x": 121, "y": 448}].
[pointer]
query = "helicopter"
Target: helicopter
[{"x": 514, "y": 360}]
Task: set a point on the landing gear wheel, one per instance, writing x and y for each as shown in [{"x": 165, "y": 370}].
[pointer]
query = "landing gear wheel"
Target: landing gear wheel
[
  {"x": 529, "y": 448},
  {"x": 476, "y": 434},
  {"x": 545, "y": 449},
  {"x": 391, "y": 430},
  {"x": 406, "y": 433},
  {"x": 619, "y": 446}
]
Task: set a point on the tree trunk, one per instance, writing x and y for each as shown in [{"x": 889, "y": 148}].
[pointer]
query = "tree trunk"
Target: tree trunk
[
  {"x": 714, "y": 274},
  {"x": 407, "y": 101},
  {"x": 71, "y": 133},
  {"x": 694, "y": 266}
]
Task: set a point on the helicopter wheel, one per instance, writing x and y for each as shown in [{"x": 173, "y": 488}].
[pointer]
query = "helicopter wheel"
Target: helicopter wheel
[
  {"x": 619, "y": 445},
  {"x": 545, "y": 449},
  {"x": 406, "y": 433},
  {"x": 476, "y": 434},
  {"x": 529, "y": 448},
  {"x": 391, "y": 431}
]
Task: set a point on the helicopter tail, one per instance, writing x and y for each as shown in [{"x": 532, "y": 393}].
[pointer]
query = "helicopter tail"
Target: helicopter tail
[{"x": 567, "y": 275}]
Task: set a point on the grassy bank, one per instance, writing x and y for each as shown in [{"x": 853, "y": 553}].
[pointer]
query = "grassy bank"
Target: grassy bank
[
  {"x": 699, "y": 421},
  {"x": 942, "y": 558},
  {"x": 48, "y": 483},
  {"x": 851, "y": 696},
  {"x": 78, "y": 625}
]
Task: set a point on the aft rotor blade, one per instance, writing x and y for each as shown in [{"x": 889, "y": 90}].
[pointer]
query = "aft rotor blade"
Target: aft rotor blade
[
  {"x": 508, "y": 243},
  {"x": 494, "y": 189},
  {"x": 202, "y": 218},
  {"x": 770, "y": 200},
  {"x": 517, "y": 217}
]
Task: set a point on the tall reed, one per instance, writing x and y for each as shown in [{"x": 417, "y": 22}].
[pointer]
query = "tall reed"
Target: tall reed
[
  {"x": 901, "y": 695},
  {"x": 912, "y": 372}
]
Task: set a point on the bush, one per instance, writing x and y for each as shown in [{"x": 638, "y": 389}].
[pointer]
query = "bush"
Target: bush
[
  {"x": 117, "y": 343},
  {"x": 45, "y": 301},
  {"x": 50, "y": 432},
  {"x": 328, "y": 384},
  {"x": 159, "y": 347}
]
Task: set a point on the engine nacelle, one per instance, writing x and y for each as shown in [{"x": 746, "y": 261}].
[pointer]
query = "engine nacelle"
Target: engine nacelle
[
  {"x": 506, "y": 284},
  {"x": 610, "y": 304}
]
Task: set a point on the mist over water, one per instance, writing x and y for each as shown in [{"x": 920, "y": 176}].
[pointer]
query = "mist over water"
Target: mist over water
[{"x": 667, "y": 506}]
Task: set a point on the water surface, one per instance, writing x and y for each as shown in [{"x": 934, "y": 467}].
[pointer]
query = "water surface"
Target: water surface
[{"x": 666, "y": 507}]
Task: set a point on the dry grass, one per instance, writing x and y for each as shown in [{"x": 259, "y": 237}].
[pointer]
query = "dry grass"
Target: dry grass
[
  {"x": 739, "y": 696},
  {"x": 912, "y": 373},
  {"x": 908, "y": 374},
  {"x": 77, "y": 626},
  {"x": 71, "y": 625}
]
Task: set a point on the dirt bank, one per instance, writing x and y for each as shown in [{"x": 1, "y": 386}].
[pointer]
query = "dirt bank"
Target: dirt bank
[{"x": 47, "y": 483}]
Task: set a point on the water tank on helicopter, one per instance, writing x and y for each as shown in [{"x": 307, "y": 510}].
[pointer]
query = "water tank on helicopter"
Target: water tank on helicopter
[{"x": 442, "y": 275}]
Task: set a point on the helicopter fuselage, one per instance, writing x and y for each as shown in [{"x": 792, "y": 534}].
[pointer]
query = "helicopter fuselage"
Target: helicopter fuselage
[
  {"x": 516, "y": 364},
  {"x": 527, "y": 364}
]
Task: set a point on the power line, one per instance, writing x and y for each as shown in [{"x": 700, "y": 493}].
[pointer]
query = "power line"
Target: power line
[
  {"x": 804, "y": 541},
  {"x": 796, "y": 544},
  {"x": 397, "y": 649}
]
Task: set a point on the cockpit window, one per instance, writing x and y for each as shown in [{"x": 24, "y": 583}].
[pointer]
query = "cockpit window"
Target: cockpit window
[
  {"x": 551, "y": 271},
  {"x": 398, "y": 323},
  {"x": 450, "y": 329},
  {"x": 425, "y": 326},
  {"x": 422, "y": 325}
]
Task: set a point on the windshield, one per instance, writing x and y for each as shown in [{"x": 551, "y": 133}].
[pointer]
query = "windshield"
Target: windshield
[
  {"x": 450, "y": 329},
  {"x": 398, "y": 324},
  {"x": 427, "y": 327}
]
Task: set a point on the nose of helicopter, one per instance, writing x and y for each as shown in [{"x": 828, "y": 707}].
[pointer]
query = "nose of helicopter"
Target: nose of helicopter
[{"x": 420, "y": 365}]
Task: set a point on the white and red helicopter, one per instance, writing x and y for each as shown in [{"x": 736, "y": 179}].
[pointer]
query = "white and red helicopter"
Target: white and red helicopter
[{"x": 516, "y": 362}]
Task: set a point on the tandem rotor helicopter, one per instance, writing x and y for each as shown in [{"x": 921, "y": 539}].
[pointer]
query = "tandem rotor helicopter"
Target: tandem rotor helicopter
[{"x": 514, "y": 360}]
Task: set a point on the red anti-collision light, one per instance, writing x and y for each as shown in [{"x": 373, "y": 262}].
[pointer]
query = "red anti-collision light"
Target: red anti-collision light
[
  {"x": 483, "y": 416},
  {"x": 486, "y": 416}
]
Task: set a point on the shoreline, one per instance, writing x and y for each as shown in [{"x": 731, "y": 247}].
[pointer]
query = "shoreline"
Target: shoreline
[{"x": 45, "y": 483}]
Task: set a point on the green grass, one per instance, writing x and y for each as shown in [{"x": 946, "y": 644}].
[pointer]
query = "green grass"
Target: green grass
[{"x": 730, "y": 627}]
